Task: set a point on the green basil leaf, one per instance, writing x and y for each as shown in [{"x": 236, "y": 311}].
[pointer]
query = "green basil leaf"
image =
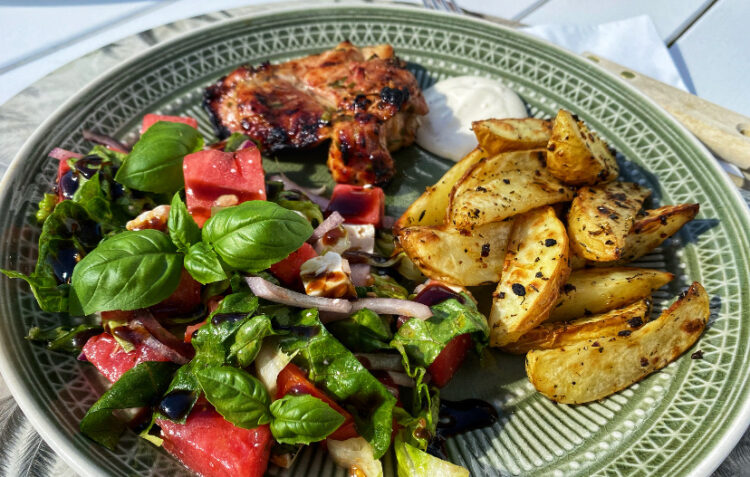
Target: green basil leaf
[
  {"x": 46, "y": 206},
  {"x": 50, "y": 296},
  {"x": 108, "y": 155},
  {"x": 237, "y": 395},
  {"x": 422, "y": 341},
  {"x": 70, "y": 340},
  {"x": 249, "y": 339},
  {"x": 364, "y": 332},
  {"x": 254, "y": 235},
  {"x": 335, "y": 370},
  {"x": 234, "y": 141},
  {"x": 141, "y": 386},
  {"x": 303, "y": 419},
  {"x": 155, "y": 163},
  {"x": 309, "y": 209},
  {"x": 203, "y": 264},
  {"x": 183, "y": 230},
  {"x": 131, "y": 270}
]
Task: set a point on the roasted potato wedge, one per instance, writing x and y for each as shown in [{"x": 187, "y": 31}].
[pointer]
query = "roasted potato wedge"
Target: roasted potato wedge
[
  {"x": 601, "y": 217},
  {"x": 460, "y": 258},
  {"x": 502, "y": 186},
  {"x": 594, "y": 369},
  {"x": 566, "y": 333},
  {"x": 657, "y": 226},
  {"x": 597, "y": 290},
  {"x": 536, "y": 266},
  {"x": 431, "y": 207},
  {"x": 503, "y": 135},
  {"x": 578, "y": 156}
]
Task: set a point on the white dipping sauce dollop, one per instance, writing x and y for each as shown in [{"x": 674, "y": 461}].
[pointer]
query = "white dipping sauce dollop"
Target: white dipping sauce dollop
[{"x": 456, "y": 102}]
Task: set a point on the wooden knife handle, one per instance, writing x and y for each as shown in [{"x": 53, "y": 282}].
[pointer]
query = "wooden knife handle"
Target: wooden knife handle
[{"x": 726, "y": 133}]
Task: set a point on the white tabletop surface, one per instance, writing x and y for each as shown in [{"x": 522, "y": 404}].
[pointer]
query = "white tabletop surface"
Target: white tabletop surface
[{"x": 705, "y": 37}]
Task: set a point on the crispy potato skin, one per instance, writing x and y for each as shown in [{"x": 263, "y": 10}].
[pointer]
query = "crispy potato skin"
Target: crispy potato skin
[
  {"x": 535, "y": 268},
  {"x": 503, "y": 135},
  {"x": 601, "y": 217},
  {"x": 658, "y": 225},
  {"x": 567, "y": 333},
  {"x": 598, "y": 290},
  {"x": 578, "y": 156},
  {"x": 465, "y": 258},
  {"x": 431, "y": 207},
  {"x": 592, "y": 370},
  {"x": 503, "y": 186}
]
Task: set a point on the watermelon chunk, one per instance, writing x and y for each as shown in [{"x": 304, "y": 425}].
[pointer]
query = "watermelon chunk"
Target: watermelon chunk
[
  {"x": 288, "y": 269},
  {"x": 113, "y": 361},
  {"x": 358, "y": 204},
  {"x": 291, "y": 380},
  {"x": 211, "y": 174},
  {"x": 151, "y": 119},
  {"x": 185, "y": 299},
  {"x": 213, "y": 447}
]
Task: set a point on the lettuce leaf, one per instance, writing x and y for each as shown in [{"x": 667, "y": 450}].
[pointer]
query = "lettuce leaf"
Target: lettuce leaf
[{"x": 335, "y": 370}]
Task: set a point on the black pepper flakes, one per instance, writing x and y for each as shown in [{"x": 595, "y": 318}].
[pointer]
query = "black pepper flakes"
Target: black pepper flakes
[
  {"x": 550, "y": 242},
  {"x": 518, "y": 289},
  {"x": 486, "y": 250},
  {"x": 501, "y": 295},
  {"x": 539, "y": 274},
  {"x": 567, "y": 288},
  {"x": 697, "y": 355},
  {"x": 644, "y": 361},
  {"x": 506, "y": 181},
  {"x": 624, "y": 333},
  {"x": 635, "y": 322}
]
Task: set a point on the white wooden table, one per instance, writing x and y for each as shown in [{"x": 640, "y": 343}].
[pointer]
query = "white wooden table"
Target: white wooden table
[{"x": 706, "y": 39}]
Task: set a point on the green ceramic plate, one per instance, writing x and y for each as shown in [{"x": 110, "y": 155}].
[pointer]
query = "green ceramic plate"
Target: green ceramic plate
[{"x": 680, "y": 421}]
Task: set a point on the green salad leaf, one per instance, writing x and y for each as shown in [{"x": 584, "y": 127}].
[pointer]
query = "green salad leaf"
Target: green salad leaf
[
  {"x": 70, "y": 340},
  {"x": 234, "y": 141},
  {"x": 131, "y": 270},
  {"x": 337, "y": 371},
  {"x": 303, "y": 419},
  {"x": 412, "y": 462},
  {"x": 386, "y": 287},
  {"x": 155, "y": 163},
  {"x": 183, "y": 230},
  {"x": 256, "y": 234},
  {"x": 236, "y": 394},
  {"x": 365, "y": 331},
  {"x": 46, "y": 206},
  {"x": 421, "y": 341},
  {"x": 141, "y": 386},
  {"x": 249, "y": 339},
  {"x": 203, "y": 264}
]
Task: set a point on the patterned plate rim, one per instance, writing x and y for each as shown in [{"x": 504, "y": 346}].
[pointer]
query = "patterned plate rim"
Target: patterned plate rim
[{"x": 58, "y": 440}]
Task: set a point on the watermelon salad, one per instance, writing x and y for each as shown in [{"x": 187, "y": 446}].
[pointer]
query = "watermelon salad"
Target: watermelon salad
[{"x": 239, "y": 316}]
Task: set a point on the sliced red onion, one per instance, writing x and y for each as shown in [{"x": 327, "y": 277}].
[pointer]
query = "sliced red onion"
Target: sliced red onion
[
  {"x": 360, "y": 274},
  {"x": 381, "y": 361},
  {"x": 393, "y": 306},
  {"x": 63, "y": 154},
  {"x": 401, "y": 379},
  {"x": 164, "y": 350},
  {"x": 104, "y": 140},
  {"x": 387, "y": 306},
  {"x": 267, "y": 290},
  {"x": 183, "y": 352},
  {"x": 246, "y": 144},
  {"x": 333, "y": 221},
  {"x": 312, "y": 194}
]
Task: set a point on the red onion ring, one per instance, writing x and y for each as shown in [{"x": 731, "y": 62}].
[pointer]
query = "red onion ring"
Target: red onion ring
[
  {"x": 381, "y": 361},
  {"x": 104, "y": 140},
  {"x": 267, "y": 290},
  {"x": 401, "y": 379},
  {"x": 312, "y": 194},
  {"x": 388, "y": 306},
  {"x": 333, "y": 221},
  {"x": 63, "y": 154},
  {"x": 387, "y": 222},
  {"x": 360, "y": 274},
  {"x": 180, "y": 352}
]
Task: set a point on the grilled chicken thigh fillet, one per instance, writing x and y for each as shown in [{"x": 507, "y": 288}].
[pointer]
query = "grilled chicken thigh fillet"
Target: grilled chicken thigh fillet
[{"x": 364, "y": 99}]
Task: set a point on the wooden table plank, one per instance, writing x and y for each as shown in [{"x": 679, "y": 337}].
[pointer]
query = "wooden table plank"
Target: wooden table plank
[
  {"x": 714, "y": 53},
  {"x": 670, "y": 16}
]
